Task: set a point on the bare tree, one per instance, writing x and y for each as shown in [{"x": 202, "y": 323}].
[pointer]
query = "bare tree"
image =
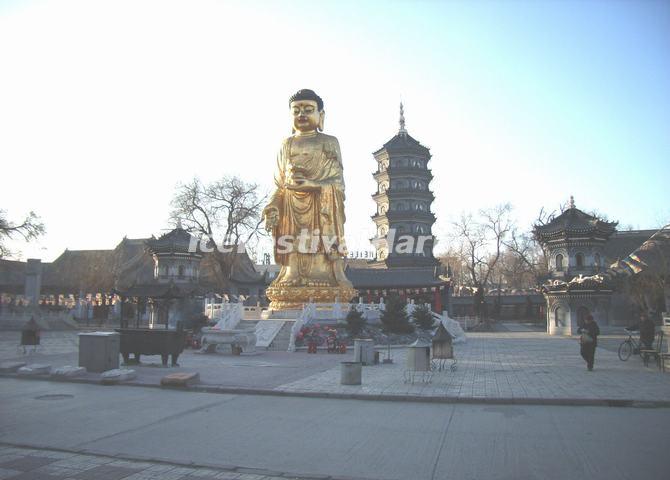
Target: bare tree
[
  {"x": 228, "y": 209},
  {"x": 526, "y": 259},
  {"x": 481, "y": 241},
  {"x": 226, "y": 212},
  {"x": 29, "y": 229}
]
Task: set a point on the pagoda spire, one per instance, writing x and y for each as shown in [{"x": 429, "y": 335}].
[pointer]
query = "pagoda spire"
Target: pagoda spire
[
  {"x": 402, "y": 120},
  {"x": 572, "y": 202}
]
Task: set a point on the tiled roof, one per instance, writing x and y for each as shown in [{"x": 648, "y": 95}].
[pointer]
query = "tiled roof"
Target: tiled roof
[
  {"x": 177, "y": 240},
  {"x": 129, "y": 265},
  {"x": 404, "y": 142},
  {"x": 574, "y": 222},
  {"x": 76, "y": 270},
  {"x": 622, "y": 244}
]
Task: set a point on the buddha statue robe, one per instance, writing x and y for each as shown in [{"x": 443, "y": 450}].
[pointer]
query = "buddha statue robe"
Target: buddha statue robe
[{"x": 316, "y": 213}]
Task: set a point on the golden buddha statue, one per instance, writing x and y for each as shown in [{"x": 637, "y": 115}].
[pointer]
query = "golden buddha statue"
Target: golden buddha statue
[{"x": 306, "y": 212}]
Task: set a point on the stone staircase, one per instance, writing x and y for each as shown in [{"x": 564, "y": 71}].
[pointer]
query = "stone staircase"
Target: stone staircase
[
  {"x": 247, "y": 324},
  {"x": 281, "y": 341}
]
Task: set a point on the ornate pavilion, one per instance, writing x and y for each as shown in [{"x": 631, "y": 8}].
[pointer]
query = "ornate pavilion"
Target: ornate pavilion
[{"x": 581, "y": 246}]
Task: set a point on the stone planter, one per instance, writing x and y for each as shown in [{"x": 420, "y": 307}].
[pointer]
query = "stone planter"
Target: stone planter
[
  {"x": 244, "y": 339},
  {"x": 351, "y": 373}
]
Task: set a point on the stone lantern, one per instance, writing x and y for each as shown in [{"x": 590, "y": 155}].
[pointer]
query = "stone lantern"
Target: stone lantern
[
  {"x": 443, "y": 348},
  {"x": 442, "y": 344},
  {"x": 418, "y": 361}
]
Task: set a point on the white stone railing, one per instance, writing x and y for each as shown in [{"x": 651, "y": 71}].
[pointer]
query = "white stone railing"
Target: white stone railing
[
  {"x": 306, "y": 317},
  {"x": 227, "y": 315},
  {"x": 326, "y": 311},
  {"x": 253, "y": 312}
]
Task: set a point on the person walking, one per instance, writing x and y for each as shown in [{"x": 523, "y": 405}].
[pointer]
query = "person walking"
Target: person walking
[{"x": 589, "y": 341}]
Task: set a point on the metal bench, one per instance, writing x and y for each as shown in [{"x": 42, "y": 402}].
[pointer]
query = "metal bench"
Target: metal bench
[{"x": 655, "y": 352}]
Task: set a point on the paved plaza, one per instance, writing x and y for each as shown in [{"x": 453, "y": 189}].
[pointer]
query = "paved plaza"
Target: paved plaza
[{"x": 514, "y": 366}]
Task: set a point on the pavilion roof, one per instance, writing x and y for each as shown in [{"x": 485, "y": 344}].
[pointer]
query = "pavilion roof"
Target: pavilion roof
[
  {"x": 574, "y": 223},
  {"x": 403, "y": 142},
  {"x": 177, "y": 240}
]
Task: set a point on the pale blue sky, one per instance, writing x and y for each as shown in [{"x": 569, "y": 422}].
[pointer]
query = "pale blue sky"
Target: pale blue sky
[{"x": 107, "y": 104}]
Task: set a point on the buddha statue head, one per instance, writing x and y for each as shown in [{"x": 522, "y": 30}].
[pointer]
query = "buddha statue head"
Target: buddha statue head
[{"x": 307, "y": 111}]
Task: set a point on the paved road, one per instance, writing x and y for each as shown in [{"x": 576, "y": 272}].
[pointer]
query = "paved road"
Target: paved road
[{"x": 389, "y": 440}]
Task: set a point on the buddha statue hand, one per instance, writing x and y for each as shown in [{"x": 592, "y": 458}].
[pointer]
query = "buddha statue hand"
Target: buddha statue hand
[
  {"x": 271, "y": 216},
  {"x": 302, "y": 184}
]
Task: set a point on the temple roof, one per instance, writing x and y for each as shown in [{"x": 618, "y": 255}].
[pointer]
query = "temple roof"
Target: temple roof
[
  {"x": 75, "y": 270},
  {"x": 128, "y": 267},
  {"x": 403, "y": 143},
  {"x": 574, "y": 223},
  {"x": 622, "y": 244},
  {"x": 175, "y": 241}
]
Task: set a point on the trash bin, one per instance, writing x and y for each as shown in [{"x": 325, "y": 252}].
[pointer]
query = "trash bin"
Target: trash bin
[
  {"x": 99, "y": 351},
  {"x": 351, "y": 373},
  {"x": 364, "y": 351}
]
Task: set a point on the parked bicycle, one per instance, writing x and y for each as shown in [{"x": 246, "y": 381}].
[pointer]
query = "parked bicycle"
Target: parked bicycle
[{"x": 629, "y": 346}]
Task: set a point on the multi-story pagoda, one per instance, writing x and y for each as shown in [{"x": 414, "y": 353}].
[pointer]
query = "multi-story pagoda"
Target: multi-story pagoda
[
  {"x": 404, "y": 264},
  {"x": 403, "y": 219}
]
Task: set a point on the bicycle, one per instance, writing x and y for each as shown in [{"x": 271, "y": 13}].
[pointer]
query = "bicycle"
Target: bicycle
[{"x": 628, "y": 347}]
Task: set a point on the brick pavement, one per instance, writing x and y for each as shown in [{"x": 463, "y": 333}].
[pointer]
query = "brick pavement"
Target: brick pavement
[
  {"x": 517, "y": 365},
  {"x": 38, "y": 464}
]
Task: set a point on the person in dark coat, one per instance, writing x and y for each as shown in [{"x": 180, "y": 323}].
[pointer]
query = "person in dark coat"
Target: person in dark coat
[
  {"x": 647, "y": 331},
  {"x": 589, "y": 331},
  {"x": 30, "y": 334}
]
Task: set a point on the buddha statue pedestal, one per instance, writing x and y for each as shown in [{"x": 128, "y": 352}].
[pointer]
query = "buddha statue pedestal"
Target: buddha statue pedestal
[{"x": 294, "y": 298}]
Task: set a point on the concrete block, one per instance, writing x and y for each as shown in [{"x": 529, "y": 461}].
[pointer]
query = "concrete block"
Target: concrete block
[
  {"x": 11, "y": 367},
  {"x": 34, "y": 369},
  {"x": 68, "y": 371},
  {"x": 117, "y": 375},
  {"x": 99, "y": 351},
  {"x": 180, "y": 379},
  {"x": 351, "y": 373}
]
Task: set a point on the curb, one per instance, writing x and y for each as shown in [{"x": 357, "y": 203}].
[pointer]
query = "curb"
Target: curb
[
  {"x": 167, "y": 461},
  {"x": 220, "y": 389}
]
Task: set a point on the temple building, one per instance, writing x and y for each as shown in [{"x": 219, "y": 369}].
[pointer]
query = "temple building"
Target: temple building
[
  {"x": 579, "y": 246},
  {"x": 155, "y": 281},
  {"x": 403, "y": 242}
]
